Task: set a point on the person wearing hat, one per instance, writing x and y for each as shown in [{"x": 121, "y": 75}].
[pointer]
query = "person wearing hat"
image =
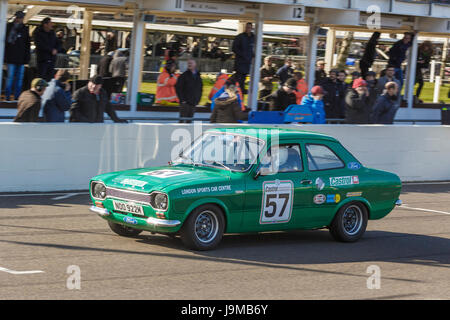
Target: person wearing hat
[
  {"x": 374, "y": 93},
  {"x": 17, "y": 54},
  {"x": 284, "y": 96},
  {"x": 313, "y": 100},
  {"x": 57, "y": 98},
  {"x": 91, "y": 102},
  {"x": 320, "y": 74},
  {"x": 29, "y": 102},
  {"x": 227, "y": 107},
  {"x": 165, "y": 88},
  {"x": 357, "y": 103}
]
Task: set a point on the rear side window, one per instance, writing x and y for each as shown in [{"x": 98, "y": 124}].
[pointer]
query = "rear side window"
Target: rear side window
[{"x": 321, "y": 157}]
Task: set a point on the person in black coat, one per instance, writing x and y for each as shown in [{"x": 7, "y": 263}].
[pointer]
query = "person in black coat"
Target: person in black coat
[
  {"x": 397, "y": 54},
  {"x": 386, "y": 105},
  {"x": 189, "y": 90},
  {"x": 17, "y": 54},
  {"x": 285, "y": 72},
  {"x": 284, "y": 96},
  {"x": 424, "y": 55},
  {"x": 103, "y": 65},
  {"x": 334, "y": 94},
  {"x": 90, "y": 102},
  {"x": 46, "y": 49},
  {"x": 369, "y": 54},
  {"x": 243, "y": 46}
]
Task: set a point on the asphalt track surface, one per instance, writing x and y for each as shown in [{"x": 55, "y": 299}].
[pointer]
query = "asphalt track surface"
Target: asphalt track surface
[{"x": 42, "y": 235}]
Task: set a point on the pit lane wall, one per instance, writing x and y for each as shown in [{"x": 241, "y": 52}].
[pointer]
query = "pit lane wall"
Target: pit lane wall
[{"x": 52, "y": 157}]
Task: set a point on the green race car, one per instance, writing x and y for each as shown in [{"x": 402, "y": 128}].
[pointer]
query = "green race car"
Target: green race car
[{"x": 235, "y": 180}]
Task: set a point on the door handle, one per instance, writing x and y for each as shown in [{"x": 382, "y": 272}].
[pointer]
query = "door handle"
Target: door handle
[{"x": 306, "y": 182}]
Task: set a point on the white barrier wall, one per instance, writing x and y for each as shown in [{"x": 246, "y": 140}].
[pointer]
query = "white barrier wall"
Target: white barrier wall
[{"x": 51, "y": 157}]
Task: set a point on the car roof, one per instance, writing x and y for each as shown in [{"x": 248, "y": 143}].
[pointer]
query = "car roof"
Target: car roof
[{"x": 261, "y": 132}]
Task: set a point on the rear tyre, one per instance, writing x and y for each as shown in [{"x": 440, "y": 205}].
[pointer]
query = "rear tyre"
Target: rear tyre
[
  {"x": 123, "y": 231},
  {"x": 350, "y": 222},
  {"x": 204, "y": 228}
]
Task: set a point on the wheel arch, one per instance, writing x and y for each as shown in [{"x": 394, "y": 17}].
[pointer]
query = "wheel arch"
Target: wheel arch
[
  {"x": 209, "y": 201},
  {"x": 361, "y": 200}
]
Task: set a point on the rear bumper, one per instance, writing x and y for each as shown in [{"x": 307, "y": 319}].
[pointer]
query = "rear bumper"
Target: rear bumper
[{"x": 151, "y": 222}]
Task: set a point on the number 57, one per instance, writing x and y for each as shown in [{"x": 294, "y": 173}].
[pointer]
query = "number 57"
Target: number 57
[{"x": 273, "y": 204}]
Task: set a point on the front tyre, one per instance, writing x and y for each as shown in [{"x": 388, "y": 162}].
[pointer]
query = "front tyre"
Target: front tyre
[
  {"x": 350, "y": 222},
  {"x": 204, "y": 228},
  {"x": 123, "y": 230}
]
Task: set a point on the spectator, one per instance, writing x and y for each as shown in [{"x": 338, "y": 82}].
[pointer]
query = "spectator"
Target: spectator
[
  {"x": 110, "y": 42},
  {"x": 118, "y": 69},
  {"x": 60, "y": 42},
  {"x": 103, "y": 65},
  {"x": 320, "y": 73},
  {"x": 90, "y": 102},
  {"x": 355, "y": 75},
  {"x": 357, "y": 103},
  {"x": 334, "y": 95},
  {"x": 313, "y": 100},
  {"x": 284, "y": 96},
  {"x": 389, "y": 76},
  {"x": 267, "y": 75},
  {"x": 221, "y": 79},
  {"x": 17, "y": 54},
  {"x": 231, "y": 81},
  {"x": 46, "y": 49},
  {"x": 189, "y": 88},
  {"x": 285, "y": 72},
  {"x": 243, "y": 46},
  {"x": 57, "y": 98},
  {"x": 29, "y": 102},
  {"x": 385, "y": 107},
  {"x": 423, "y": 62},
  {"x": 302, "y": 86},
  {"x": 397, "y": 54},
  {"x": 374, "y": 93},
  {"x": 167, "y": 79},
  {"x": 227, "y": 107},
  {"x": 343, "y": 88},
  {"x": 369, "y": 54}
]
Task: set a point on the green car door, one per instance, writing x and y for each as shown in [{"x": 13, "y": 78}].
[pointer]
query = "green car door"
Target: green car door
[
  {"x": 277, "y": 191},
  {"x": 332, "y": 180}
]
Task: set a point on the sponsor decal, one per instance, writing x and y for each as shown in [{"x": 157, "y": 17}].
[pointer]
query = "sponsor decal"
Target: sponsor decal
[
  {"x": 133, "y": 182},
  {"x": 206, "y": 189},
  {"x": 333, "y": 198},
  {"x": 354, "y": 194},
  {"x": 344, "y": 181},
  {"x": 354, "y": 166},
  {"x": 320, "y": 184},
  {"x": 164, "y": 173},
  {"x": 319, "y": 198},
  {"x": 130, "y": 220},
  {"x": 277, "y": 201}
]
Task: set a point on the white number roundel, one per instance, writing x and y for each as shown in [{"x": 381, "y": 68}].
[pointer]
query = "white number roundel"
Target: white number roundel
[{"x": 277, "y": 201}]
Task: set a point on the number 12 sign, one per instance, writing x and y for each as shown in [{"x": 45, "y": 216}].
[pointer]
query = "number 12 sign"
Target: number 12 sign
[{"x": 277, "y": 201}]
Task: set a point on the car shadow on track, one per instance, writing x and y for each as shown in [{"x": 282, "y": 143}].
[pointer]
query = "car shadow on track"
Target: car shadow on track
[{"x": 317, "y": 247}]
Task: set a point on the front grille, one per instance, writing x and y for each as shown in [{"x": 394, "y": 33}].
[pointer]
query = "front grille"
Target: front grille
[{"x": 128, "y": 195}]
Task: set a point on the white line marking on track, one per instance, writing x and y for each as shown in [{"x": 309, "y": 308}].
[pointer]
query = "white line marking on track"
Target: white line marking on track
[
  {"x": 66, "y": 196},
  {"x": 421, "y": 209},
  {"x": 40, "y": 194},
  {"x": 20, "y": 272}
]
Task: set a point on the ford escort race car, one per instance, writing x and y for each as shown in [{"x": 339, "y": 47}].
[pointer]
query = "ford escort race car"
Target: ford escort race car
[{"x": 235, "y": 180}]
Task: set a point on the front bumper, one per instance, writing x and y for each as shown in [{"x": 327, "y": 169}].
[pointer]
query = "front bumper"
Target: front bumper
[{"x": 150, "y": 222}]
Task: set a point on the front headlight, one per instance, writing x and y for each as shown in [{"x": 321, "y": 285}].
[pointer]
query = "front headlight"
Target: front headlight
[
  {"x": 98, "y": 190},
  {"x": 159, "y": 201}
]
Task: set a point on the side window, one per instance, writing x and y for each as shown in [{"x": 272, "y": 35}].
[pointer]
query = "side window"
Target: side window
[
  {"x": 320, "y": 157},
  {"x": 283, "y": 158}
]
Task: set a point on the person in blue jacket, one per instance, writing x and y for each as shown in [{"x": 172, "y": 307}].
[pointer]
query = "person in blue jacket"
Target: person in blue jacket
[
  {"x": 57, "y": 98},
  {"x": 314, "y": 101}
]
